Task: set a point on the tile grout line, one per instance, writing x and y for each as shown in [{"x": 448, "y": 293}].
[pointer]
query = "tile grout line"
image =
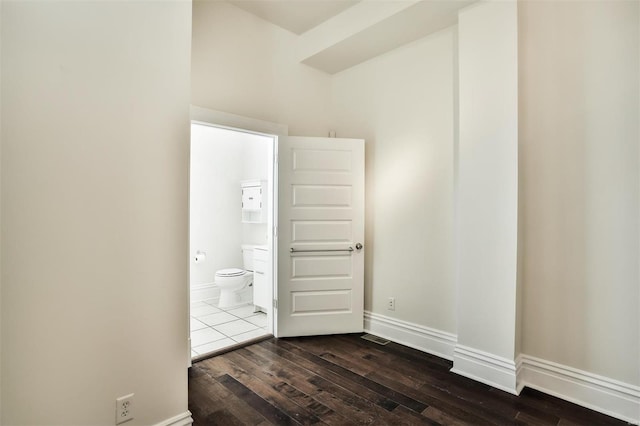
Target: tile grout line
[{"x": 254, "y": 327}]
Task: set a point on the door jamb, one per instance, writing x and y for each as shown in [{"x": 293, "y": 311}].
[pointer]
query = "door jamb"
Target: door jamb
[{"x": 221, "y": 119}]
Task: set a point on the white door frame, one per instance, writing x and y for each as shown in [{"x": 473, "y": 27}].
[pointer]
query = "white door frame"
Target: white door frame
[
  {"x": 237, "y": 122},
  {"x": 209, "y": 117}
]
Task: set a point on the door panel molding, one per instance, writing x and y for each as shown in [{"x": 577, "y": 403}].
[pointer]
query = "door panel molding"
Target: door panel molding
[{"x": 321, "y": 218}]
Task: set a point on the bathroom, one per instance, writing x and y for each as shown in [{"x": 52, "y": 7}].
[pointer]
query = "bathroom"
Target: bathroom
[{"x": 230, "y": 237}]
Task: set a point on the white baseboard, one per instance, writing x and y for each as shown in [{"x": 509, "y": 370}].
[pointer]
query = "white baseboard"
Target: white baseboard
[
  {"x": 202, "y": 292},
  {"x": 486, "y": 368},
  {"x": 182, "y": 419},
  {"x": 608, "y": 396},
  {"x": 415, "y": 336}
]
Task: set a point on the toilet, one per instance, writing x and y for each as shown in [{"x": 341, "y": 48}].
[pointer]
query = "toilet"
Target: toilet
[{"x": 235, "y": 284}]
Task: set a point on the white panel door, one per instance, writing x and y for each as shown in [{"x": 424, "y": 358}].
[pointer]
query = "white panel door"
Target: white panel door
[{"x": 320, "y": 286}]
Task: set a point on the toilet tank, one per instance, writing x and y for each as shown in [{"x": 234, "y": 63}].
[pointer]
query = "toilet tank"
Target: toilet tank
[{"x": 247, "y": 257}]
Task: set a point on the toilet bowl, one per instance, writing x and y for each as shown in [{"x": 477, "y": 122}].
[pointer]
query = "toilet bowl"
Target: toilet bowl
[{"x": 235, "y": 284}]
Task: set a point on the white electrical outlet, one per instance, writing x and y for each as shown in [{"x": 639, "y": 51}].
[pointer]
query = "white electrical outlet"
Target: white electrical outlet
[
  {"x": 124, "y": 408},
  {"x": 391, "y": 304}
]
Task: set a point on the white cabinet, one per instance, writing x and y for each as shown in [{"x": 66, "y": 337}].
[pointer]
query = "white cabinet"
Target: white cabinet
[
  {"x": 252, "y": 198},
  {"x": 254, "y": 201},
  {"x": 261, "y": 277}
]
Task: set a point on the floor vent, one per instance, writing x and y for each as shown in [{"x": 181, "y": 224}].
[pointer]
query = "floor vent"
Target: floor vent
[{"x": 375, "y": 339}]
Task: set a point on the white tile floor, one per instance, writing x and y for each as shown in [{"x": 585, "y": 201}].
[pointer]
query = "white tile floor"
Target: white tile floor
[{"x": 213, "y": 328}]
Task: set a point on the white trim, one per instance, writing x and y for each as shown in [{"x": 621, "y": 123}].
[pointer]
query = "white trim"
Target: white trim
[
  {"x": 486, "y": 368},
  {"x": 599, "y": 393},
  {"x": 225, "y": 119},
  {"x": 206, "y": 291},
  {"x": 221, "y": 119},
  {"x": 608, "y": 396},
  {"x": 183, "y": 419},
  {"x": 415, "y": 336}
]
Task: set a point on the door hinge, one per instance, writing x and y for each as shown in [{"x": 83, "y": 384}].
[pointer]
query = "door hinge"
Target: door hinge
[
  {"x": 275, "y": 303},
  {"x": 275, "y": 231}
]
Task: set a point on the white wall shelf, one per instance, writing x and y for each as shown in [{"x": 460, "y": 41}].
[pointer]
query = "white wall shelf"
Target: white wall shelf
[{"x": 254, "y": 201}]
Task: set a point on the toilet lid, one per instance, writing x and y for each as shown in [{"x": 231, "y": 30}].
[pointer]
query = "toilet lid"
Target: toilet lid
[{"x": 231, "y": 272}]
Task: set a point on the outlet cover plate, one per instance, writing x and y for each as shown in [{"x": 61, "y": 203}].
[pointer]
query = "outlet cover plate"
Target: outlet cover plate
[
  {"x": 391, "y": 304},
  {"x": 124, "y": 408}
]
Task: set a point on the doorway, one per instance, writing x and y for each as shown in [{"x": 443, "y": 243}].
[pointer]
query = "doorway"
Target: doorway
[
  {"x": 231, "y": 237},
  {"x": 315, "y": 227}
]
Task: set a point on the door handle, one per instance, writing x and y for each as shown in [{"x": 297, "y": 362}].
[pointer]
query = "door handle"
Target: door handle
[
  {"x": 293, "y": 250},
  {"x": 358, "y": 246}
]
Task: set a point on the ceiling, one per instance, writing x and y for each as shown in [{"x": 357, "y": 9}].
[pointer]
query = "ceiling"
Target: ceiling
[
  {"x": 297, "y": 16},
  {"x": 337, "y": 34}
]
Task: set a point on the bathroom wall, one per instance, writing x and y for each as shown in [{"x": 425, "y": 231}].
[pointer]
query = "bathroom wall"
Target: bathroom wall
[
  {"x": 220, "y": 160},
  {"x": 95, "y": 137},
  {"x": 257, "y": 154},
  {"x": 579, "y": 142},
  {"x": 402, "y": 104},
  {"x": 244, "y": 65},
  {"x": 215, "y": 199}
]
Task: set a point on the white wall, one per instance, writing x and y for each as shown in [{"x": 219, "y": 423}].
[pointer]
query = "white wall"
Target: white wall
[
  {"x": 401, "y": 103},
  {"x": 220, "y": 160},
  {"x": 0, "y": 215},
  {"x": 244, "y": 65},
  {"x": 215, "y": 201},
  {"x": 95, "y": 137},
  {"x": 488, "y": 177},
  {"x": 257, "y": 153},
  {"x": 579, "y": 142}
]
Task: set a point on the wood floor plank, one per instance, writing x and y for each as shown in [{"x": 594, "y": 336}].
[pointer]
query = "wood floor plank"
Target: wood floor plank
[
  {"x": 267, "y": 410},
  {"x": 390, "y": 384},
  {"x": 296, "y": 384},
  {"x": 311, "y": 406},
  {"x": 300, "y": 379},
  {"x": 212, "y": 368},
  {"x": 440, "y": 379},
  {"x": 460, "y": 400},
  {"x": 453, "y": 405},
  {"x": 318, "y": 371},
  {"x": 367, "y": 390},
  {"x": 324, "y": 350},
  {"x": 402, "y": 353},
  {"x": 391, "y": 394},
  {"x": 207, "y": 396},
  {"x": 565, "y": 410},
  {"x": 267, "y": 387},
  {"x": 495, "y": 402},
  {"x": 443, "y": 418},
  {"x": 352, "y": 361},
  {"x": 413, "y": 418},
  {"x": 388, "y": 354},
  {"x": 356, "y": 399},
  {"x": 397, "y": 391},
  {"x": 346, "y": 380},
  {"x": 222, "y": 417}
]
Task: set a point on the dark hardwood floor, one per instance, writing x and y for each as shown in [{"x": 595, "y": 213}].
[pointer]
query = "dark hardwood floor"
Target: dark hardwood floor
[{"x": 346, "y": 380}]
